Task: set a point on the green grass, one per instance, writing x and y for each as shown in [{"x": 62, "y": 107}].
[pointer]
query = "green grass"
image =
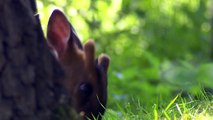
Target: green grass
[{"x": 178, "y": 108}]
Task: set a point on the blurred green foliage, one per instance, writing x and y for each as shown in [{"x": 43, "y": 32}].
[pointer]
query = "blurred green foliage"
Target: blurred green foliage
[{"x": 157, "y": 47}]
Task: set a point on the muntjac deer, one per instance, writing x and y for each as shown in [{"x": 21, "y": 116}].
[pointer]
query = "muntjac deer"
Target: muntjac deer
[{"x": 85, "y": 76}]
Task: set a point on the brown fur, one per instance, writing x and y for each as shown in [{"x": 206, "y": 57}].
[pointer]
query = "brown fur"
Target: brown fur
[{"x": 85, "y": 78}]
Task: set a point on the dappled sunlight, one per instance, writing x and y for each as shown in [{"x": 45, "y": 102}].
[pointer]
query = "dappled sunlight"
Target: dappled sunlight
[{"x": 158, "y": 49}]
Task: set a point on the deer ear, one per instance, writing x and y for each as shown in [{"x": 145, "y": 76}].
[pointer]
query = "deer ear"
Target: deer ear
[
  {"x": 75, "y": 38},
  {"x": 89, "y": 49},
  {"x": 58, "y": 32},
  {"x": 103, "y": 62}
]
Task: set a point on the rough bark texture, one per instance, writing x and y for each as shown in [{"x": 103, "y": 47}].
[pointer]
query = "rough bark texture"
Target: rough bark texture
[{"x": 29, "y": 75}]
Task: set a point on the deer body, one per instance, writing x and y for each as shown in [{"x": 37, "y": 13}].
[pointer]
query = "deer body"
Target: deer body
[{"x": 85, "y": 76}]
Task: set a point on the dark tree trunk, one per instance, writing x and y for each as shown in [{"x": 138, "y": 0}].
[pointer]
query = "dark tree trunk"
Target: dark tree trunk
[{"x": 29, "y": 75}]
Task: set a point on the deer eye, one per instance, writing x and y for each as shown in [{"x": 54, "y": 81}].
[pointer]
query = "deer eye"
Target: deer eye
[{"x": 86, "y": 89}]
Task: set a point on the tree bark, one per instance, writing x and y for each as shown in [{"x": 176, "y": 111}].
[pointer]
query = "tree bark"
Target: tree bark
[{"x": 29, "y": 74}]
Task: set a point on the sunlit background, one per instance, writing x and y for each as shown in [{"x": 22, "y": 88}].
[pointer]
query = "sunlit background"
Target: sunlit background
[{"x": 158, "y": 48}]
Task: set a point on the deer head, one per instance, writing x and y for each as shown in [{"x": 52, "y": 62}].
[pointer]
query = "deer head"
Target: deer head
[{"x": 85, "y": 76}]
